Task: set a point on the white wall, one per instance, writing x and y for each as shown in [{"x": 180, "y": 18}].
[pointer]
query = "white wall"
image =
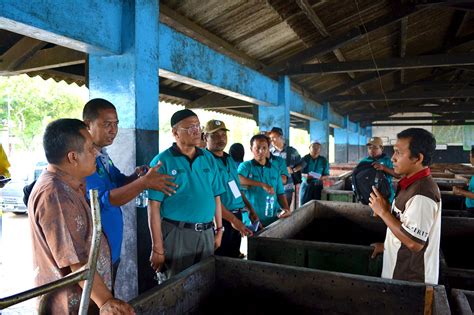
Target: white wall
[{"x": 389, "y": 134}]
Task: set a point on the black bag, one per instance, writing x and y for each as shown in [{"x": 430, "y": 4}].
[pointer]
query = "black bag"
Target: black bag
[{"x": 364, "y": 177}]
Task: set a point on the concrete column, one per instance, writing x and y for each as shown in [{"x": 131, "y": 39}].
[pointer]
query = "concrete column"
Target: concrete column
[
  {"x": 130, "y": 82},
  {"x": 362, "y": 143},
  {"x": 319, "y": 130},
  {"x": 279, "y": 116},
  {"x": 341, "y": 141},
  {"x": 353, "y": 148}
]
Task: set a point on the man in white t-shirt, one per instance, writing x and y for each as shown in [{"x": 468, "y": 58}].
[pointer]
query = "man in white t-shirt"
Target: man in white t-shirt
[{"x": 411, "y": 247}]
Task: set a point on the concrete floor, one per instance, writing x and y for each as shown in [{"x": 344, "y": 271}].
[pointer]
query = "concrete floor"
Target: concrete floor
[{"x": 16, "y": 272}]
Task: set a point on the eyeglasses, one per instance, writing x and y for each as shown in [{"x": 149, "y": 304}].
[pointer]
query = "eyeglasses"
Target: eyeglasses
[{"x": 192, "y": 129}]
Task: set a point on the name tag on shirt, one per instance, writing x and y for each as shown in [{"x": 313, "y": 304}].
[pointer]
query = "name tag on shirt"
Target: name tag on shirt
[
  {"x": 315, "y": 175},
  {"x": 235, "y": 190}
]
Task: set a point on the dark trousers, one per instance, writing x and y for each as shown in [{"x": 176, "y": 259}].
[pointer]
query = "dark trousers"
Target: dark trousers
[
  {"x": 230, "y": 245},
  {"x": 310, "y": 191},
  {"x": 289, "y": 197}
]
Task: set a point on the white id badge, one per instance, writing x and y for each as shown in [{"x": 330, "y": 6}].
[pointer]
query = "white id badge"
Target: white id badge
[
  {"x": 315, "y": 175},
  {"x": 235, "y": 190}
]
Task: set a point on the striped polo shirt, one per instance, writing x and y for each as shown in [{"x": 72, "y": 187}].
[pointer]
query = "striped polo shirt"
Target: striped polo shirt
[{"x": 418, "y": 207}]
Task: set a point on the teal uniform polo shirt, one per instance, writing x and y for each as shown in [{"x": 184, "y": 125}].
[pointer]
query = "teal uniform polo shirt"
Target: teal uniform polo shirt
[
  {"x": 198, "y": 181},
  {"x": 268, "y": 174},
  {"x": 470, "y": 202},
  {"x": 318, "y": 165},
  {"x": 387, "y": 161},
  {"x": 228, "y": 171}
]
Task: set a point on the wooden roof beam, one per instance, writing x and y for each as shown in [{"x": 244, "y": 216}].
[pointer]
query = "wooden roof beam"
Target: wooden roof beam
[
  {"x": 216, "y": 100},
  {"x": 415, "y": 62},
  {"x": 19, "y": 53},
  {"x": 332, "y": 43},
  {"x": 403, "y": 44},
  {"x": 418, "y": 118},
  {"x": 176, "y": 93},
  {"x": 466, "y": 107},
  {"x": 353, "y": 84},
  {"x": 319, "y": 25},
  {"x": 55, "y": 57},
  {"x": 402, "y": 124},
  {"x": 397, "y": 96},
  {"x": 455, "y": 4}
]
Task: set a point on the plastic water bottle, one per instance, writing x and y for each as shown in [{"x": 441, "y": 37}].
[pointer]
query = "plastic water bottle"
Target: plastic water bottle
[
  {"x": 269, "y": 206},
  {"x": 141, "y": 200},
  {"x": 160, "y": 277}
]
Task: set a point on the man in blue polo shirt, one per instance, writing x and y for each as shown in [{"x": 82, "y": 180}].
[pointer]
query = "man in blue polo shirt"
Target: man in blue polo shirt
[
  {"x": 115, "y": 189},
  {"x": 234, "y": 203},
  {"x": 264, "y": 186},
  {"x": 181, "y": 225}
]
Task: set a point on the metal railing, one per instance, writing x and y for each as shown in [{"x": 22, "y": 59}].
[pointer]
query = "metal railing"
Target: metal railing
[{"x": 86, "y": 273}]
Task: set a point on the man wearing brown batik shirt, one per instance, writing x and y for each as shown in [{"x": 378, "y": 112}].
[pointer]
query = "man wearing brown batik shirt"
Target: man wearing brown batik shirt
[
  {"x": 411, "y": 248},
  {"x": 61, "y": 223}
]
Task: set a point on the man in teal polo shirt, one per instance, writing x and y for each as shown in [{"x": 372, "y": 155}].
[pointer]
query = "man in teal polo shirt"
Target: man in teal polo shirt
[
  {"x": 313, "y": 168},
  {"x": 181, "y": 225},
  {"x": 380, "y": 161},
  {"x": 263, "y": 183},
  {"x": 234, "y": 203}
]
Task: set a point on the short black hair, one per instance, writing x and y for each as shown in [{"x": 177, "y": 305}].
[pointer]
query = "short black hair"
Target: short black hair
[
  {"x": 277, "y": 130},
  {"x": 259, "y": 137},
  {"x": 472, "y": 150},
  {"x": 421, "y": 141},
  {"x": 94, "y": 106},
  {"x": 237, "y": 152},
  {"x": 62, "y": 136}
]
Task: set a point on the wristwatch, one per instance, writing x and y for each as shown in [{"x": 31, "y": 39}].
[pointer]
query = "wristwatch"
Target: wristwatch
[{"x": 219, "y": 229}]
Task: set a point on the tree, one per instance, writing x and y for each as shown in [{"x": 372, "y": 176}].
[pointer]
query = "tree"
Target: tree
[{"x": 27, "y": 105}]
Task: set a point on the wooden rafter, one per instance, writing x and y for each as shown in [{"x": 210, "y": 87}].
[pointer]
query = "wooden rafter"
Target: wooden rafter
[
  {"x": 319, "y": 25},
  {"x": 353, "y": 84},
  {"x": 216, "y": 100},
  {"x": 404, "y": 96},
  {"x": 403, "y": 44},
  {"x": 402, "y": 124},
  {"x": 19, "y": 53},
  {"x": 467, "y": 107},
  {"x": 415, "y": 62},
  {"x": 50, "y": 58},
  {"x": 332, "y": 43}
]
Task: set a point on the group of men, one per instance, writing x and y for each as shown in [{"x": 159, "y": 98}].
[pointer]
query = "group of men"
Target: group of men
[{"x": 199, "y": 199}]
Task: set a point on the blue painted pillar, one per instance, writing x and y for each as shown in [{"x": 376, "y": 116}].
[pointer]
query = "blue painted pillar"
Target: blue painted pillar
[
  {"x": 279, "y": 116},
  {"x": 362, "y": 143},
  {"x": 353, "y": 154},
  {"x": 319, "y": 131},
  {"x": 341, "y": 142},
  {"x": 130, "y": 82},
  {"x": 368, "y": 131}
]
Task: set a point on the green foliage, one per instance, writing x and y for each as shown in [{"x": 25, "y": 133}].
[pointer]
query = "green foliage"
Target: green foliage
[
  {"x": 33, "y": 104},
  {"x": 448, "y": 134}
]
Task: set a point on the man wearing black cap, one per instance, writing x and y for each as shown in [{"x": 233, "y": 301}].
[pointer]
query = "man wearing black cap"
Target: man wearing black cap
[
  {"x": 234, "y": 202},
  {"x": 292, "y": 158},
  {"x": 181, "y": 224}
]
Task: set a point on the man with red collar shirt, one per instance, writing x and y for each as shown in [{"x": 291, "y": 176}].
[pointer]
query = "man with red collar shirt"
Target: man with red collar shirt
[{"x": 411, "y": 247}]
